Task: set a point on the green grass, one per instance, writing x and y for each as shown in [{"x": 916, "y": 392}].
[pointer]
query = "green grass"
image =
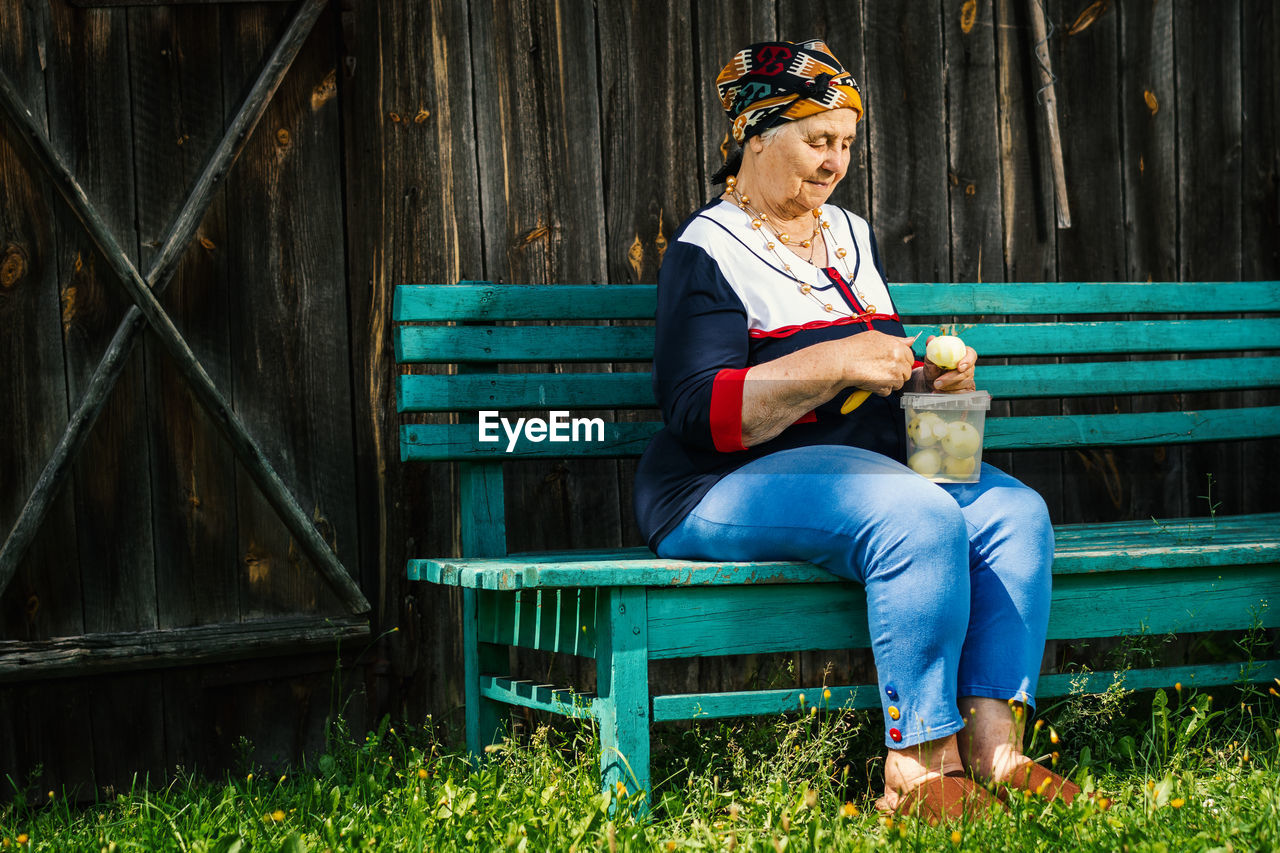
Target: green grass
[{"x": 1173, "y": 770}]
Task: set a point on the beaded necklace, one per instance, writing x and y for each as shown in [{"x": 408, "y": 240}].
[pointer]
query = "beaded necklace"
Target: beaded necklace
[{"x": 759, "y": 220}]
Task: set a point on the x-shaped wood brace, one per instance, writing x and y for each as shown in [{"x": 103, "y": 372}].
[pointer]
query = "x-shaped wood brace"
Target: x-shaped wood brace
[{"x": 146, "y": 311}]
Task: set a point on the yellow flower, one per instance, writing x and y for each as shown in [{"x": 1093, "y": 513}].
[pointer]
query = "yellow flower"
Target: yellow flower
[
  {"x": 622, "y": 789},
  {"x": 813, "y": 710},
  {"x": 1103, "y": 804},
  {"x": 801, "y": 700},
  {"x": 955, "y": 836},
  {"x": 23, "y": 839},
  {"x": 1054, "y": 756},
  {"x": 422, "y": 772},
  {"x": 1177, "y": 802},
  {"x": 1177, "y": 685},
  {"x": 826, "y": 693},
  {"x": 1039, "y": 725},
  {"x": 849, "y": 810},
  {"x": 1053, "y": 735},
  {"x": 671, "y": 845},
  {"x": 277, "y": 815}
]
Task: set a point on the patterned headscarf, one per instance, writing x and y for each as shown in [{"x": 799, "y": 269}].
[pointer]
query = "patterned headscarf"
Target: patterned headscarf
[{"x": 768, "y": 83}]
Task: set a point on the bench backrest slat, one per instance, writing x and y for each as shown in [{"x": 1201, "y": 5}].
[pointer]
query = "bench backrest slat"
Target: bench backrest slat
[
  {"x": 514, "y": 344},
  {"x": 546, "y": 391},
  {"x": 487, "y": 301},
  {"x": 440, "y": 442}
]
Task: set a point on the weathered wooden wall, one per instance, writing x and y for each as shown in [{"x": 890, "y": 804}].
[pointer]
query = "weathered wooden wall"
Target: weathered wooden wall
[{"x": 531, "y": 141}]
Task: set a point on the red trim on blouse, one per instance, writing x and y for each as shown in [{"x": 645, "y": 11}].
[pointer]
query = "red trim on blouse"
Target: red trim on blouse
[
  {"x": 807, "y": 418},
  {"x": 726, "y": 409},
  {"x": 787, "y": 331}
]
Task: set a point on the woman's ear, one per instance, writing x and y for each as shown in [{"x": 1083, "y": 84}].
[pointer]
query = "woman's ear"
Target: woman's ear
[{"x": 756, "y": 144}]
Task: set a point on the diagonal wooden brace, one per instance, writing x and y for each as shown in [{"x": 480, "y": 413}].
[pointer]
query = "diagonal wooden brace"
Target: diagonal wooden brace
[{"x": 147, "y": 310}]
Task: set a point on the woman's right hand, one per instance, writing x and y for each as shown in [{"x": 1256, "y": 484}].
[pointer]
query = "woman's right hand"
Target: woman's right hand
[{"x": 876, "y": 362}]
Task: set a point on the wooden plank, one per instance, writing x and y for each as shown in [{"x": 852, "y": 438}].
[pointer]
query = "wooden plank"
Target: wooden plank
[
  {"x": 90, "y": 114},
  {"x": 1164, "y": 601},
  {"x": 1148, "y": 110},
  {"x": 484, "y": 301},
  {"x": 1080, "y": 549},
  {"x": 476, "y": 301},
  {"x": 842, "y": 28},
  {"x": 509, "y": 392},
  {"x": 712, "y": 620},
  {"x": 443, "y": 442},
  {"x": 1209, "y": 135},
  {"x": 1086, "y": 297},
  {"x": 722, "y": 28},
  {"x": 406, "y": 90},
  {"x": 1192, "y": 677},
  {"x": 1026, "y": 208},
  {"x": 54, "y": 745},
  {"x": 439, "y": 442},
  {"x": 1132, "y": 428},
  {"x": 908, "y": 152},
  {"x": 973, "y": 149},
  {"x": 645, "y": 47},
  {"x": 544, "y": 113},
  {"x": 1260, "y": 189},
  {"x": 289, "y": 324},
  {"x": 622, "y": 708},
  {"x": 652, "y": 185},
  {"x": 1093, "y": 248},
  {"x": 493, "y": 344},
  {"x": 743, "y": 703},
  {"x": 44, "y": 597},
  {"x": 539, "y": 697},
  {"x": 176, "y": 89},
  {"x": 128, "y": 651},
  {"x": 867, "y": 696}
]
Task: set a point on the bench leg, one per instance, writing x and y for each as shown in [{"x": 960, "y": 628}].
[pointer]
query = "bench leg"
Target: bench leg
[
  {"x": 484, "y": 716},
  {"x": 622, "y": 685}
]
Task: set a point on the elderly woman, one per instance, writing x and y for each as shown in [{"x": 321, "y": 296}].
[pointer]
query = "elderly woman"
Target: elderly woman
[{"x": 772, "y": 310}]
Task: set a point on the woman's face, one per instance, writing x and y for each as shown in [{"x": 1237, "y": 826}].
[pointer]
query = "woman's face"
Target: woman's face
[{"x": 797, "y": 169}]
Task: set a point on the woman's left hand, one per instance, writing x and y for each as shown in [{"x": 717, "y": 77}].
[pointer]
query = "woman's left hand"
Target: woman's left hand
[{"x": 961, "y": 378}]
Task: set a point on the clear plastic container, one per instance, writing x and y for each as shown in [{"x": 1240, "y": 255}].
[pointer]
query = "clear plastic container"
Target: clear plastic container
[{"x": 944, "y": 434}]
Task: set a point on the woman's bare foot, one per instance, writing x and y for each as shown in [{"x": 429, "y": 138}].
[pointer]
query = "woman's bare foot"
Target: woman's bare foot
[
  {"x": 906, "y": 769},
  {"x": 990, "y": 744}
]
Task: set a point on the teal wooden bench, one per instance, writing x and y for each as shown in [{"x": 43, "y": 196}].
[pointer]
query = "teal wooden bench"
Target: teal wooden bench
[{"x": 625, "y": 608}]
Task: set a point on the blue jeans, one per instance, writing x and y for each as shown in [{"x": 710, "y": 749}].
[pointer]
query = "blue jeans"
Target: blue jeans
[{"x": 957, "y": 575}]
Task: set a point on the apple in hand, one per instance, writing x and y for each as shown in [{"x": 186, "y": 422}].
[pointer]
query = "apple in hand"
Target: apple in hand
[{"x": 945, "y": 351}]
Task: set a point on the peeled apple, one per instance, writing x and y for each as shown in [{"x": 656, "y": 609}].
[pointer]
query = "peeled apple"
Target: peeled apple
[
  {"x": 925, "y": 462},
  {"x": 957, "y": 468},
  {"x": 926, "y": 429},
  {"x": 962, "y": 440},
  {"x": 945, "y": 351}
]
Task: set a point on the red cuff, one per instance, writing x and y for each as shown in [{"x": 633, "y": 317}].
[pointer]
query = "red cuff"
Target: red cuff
[
  {"x": 917, "y": 363},
  {"x": 726, "y": 409}
]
